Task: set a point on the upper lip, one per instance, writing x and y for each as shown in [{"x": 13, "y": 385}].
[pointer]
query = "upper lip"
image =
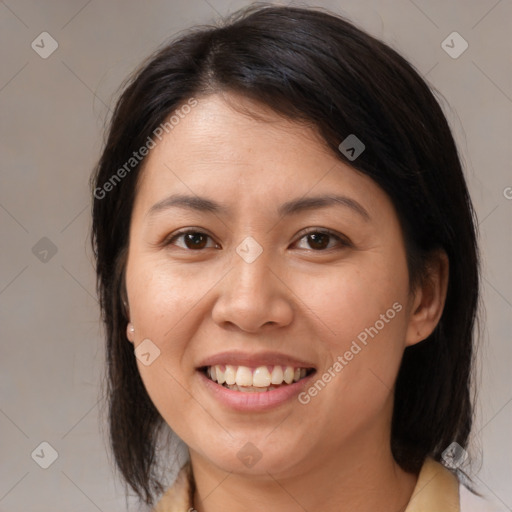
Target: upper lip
[{"x": 254, "y": 360}]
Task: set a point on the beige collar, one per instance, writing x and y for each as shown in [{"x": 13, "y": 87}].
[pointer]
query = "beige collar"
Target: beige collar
[{"x": 437, "y": 489}]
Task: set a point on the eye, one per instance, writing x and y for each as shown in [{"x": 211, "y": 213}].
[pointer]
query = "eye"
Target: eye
[
  {"x": 192, "y": 239},
  {"x": 318, "y": 239}
]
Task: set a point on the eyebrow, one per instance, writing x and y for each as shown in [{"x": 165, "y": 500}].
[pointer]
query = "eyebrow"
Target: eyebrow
[{"x": 295, "y": 206}]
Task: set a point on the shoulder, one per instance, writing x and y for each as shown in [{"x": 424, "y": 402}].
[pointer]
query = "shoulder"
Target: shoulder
[{"x": 469, "y": 502}]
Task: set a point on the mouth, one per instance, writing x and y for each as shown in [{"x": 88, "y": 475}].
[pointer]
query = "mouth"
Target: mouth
[{"x": 259, "y": 379}]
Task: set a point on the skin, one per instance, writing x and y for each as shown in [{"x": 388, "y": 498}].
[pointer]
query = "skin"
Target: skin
[{"x": 332, "y": 454}]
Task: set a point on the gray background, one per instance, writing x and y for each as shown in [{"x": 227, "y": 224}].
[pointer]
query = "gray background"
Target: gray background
[{"x": 52, "y": 116}]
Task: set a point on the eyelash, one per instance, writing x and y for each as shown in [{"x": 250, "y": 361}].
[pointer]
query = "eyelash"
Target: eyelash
[{"x": 343, "y": 241}]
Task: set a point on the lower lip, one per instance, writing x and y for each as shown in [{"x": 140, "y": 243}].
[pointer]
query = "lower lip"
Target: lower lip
[{"x": 255, "y": 401}]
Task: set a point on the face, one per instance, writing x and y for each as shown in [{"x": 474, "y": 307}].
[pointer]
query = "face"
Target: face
[{"x": 301, "y": 300}]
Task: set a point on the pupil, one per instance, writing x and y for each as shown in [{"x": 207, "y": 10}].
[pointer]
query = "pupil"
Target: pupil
[
  {"x": 316, "y": 236},
  {"x": 191, "y": 238}
]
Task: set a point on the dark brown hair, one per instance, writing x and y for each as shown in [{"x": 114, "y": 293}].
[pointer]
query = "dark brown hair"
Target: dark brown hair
[{"x": 314, "y": 67}]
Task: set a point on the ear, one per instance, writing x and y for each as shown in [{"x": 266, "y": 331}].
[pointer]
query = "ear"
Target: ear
[{"x": 429, "y": 298}]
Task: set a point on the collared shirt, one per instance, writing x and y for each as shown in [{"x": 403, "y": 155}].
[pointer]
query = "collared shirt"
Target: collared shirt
[{"x": 437, "y": 490}]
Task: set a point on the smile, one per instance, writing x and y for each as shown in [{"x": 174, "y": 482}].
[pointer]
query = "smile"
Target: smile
[{"x": 255, "y": 380}]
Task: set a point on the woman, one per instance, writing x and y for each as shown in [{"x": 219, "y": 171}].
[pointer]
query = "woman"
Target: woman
[{"x": 288, "y": 272}]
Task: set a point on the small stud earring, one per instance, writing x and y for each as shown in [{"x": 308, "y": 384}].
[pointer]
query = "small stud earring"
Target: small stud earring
[{"x": 130, "y": 329}]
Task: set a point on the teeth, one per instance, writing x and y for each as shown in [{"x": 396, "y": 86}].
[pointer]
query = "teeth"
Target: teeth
[
  {"x": 288, "y": 375},
  {"x": 221, "y": 376},
  {"x": 230, "y": 374},
  {"x": 250, "y": 389},
  {"x": 262, "y": 378},
  {"x": 277, "y": 375},
  {"x": 243, "y": 376}
]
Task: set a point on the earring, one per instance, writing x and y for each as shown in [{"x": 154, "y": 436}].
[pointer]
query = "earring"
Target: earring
[{"x": 130, "y": 329}]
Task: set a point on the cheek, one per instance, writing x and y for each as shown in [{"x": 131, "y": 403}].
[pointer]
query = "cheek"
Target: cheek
[
  {"x": 161, "y": 298},
  {"x": 363, "y": 310},
  {"x": 161, "y": 304},
  {"x": 352, "y": 298}
]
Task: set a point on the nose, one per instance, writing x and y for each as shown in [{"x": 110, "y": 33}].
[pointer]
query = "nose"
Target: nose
[{"x": 253, "y": 296}]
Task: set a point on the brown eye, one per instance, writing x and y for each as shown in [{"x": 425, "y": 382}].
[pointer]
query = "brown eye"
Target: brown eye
[
  {"x": 193, "y": 240},
  {"x": 319, "y": 240}
]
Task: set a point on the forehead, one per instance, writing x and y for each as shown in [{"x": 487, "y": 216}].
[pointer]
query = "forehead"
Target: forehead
[
  {"x": 229, "y": 129},
  {"x": 217, "y": 149}
]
